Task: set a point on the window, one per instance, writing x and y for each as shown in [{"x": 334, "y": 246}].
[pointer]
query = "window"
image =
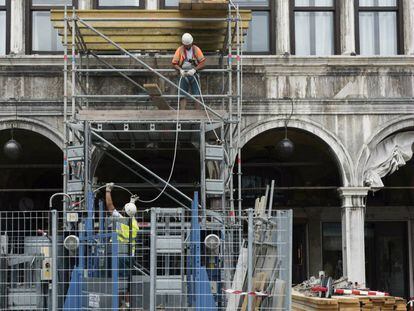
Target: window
[
  {"x": 169, "y": 4},
  {"x": 44, "y": 38},
  {"x": 260, "y": 35},
  {"x": 314, "y": 27},
  {"x": 4, "y": 27},
  {"x": 379, "y": 27},
  {"x": 120, "y": 4}
]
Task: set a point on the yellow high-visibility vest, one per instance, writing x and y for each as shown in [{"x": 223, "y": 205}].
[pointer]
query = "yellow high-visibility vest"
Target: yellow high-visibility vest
[{"x": 123, "y": 231}]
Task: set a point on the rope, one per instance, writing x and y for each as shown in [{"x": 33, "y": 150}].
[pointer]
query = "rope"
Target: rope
[{"x": 175, "y": 152}]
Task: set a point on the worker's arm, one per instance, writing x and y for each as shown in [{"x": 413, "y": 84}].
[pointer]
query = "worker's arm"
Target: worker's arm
[
  {"x": 200, "y": 58},
  {"x": 201, "y": 65},
  {"x": 108, "y": 198},
  {"x": 178, "y": 68}
]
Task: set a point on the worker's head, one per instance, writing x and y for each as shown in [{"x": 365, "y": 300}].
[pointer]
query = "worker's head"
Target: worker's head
[
  {"x": 187, "y": 40},
  {"x": 130, "y": 208}
]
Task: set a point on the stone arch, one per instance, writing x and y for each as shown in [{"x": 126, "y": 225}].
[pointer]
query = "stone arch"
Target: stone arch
[
  {"x": 35, "y": 126},
  {"x": 342, "y": 157},
  {"x": 384, "y": 131}
]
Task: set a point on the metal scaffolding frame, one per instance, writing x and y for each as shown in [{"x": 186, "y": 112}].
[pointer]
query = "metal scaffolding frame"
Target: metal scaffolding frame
[{"x": 226, "y": 126}]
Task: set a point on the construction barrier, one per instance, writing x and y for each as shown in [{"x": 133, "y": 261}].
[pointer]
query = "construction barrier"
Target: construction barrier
[{"x": 177, "y": 260}]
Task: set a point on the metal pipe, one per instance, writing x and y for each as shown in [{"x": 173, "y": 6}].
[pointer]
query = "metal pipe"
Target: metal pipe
[
  {"x": 203, "y": 172},
  {"x": 62, "y": 194},
  {"x": 272, "y": 190},
  {"x": 152, "y": 19},
  {"x": 153, "y": 259},
  {"x": 73, "y": 63},
  {"x": 230, "y": 107},
  {"x": 65, "y": 105},
  {"x": 54, "y": 262},
  {"x": 145, "y": 179},
  {"x": 147, "y": 96},
  {"x": 114, "y": 69},
  {"x": 250, "y": 237},
  {"x": 140, "y": 165},
  {"x": 150, "y": 68},
  {"x": 30, "y": 190},
  {"x": 239, "y": 103}
]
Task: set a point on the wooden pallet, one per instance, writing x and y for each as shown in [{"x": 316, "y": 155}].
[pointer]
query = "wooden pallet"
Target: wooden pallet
[{"x": 161, "y": 33}]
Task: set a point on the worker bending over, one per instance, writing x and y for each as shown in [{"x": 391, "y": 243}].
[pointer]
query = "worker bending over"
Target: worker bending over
[
  {"x": 126, "y": 251},
  {"x": 187, "y": 60}
]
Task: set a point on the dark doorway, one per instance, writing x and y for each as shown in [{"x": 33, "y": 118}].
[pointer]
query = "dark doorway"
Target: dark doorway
[
  {"x": 299, "y": 262},
  {"x": 386, "y": 255},
  {"x": 305, "y": 180},
  {"x": 26, "y": 183}
]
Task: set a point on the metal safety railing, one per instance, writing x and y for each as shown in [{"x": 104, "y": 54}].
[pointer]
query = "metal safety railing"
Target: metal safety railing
[{"x": 176, "y": 261}]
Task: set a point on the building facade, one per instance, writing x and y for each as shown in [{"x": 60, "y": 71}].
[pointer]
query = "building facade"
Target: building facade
[{"x": 334, "y": 76}]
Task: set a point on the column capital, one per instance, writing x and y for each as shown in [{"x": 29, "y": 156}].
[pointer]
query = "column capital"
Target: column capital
[{"x": 353, "y": 197}]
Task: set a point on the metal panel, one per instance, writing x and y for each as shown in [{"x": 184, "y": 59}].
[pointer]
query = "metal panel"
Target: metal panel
[
  {"x": 214, "y": 186},
  {"x": 214, "y": 152}
]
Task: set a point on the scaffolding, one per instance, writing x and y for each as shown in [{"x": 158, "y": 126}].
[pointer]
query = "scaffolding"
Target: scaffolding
[{"x": 215, "y": 129}]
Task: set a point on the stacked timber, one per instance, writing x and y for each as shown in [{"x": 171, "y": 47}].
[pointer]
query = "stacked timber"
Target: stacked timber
[
  {"x": 203, "y": 4},
  {"x": 148, "y": 30},
  {"x": 301, "y": 302}
]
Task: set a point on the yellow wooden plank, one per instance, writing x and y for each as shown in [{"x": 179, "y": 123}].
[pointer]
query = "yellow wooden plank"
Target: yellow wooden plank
[
  {"x": 154, "y": 25},
  {"x": 58, "y": 15},
  {"x": 152, "y": 35},
  {"x": 155, "y": 40},
  {"x": 146, "y": 47},
  {"x": 155, "y": 94},
  {"x": 149, "y": 31}
]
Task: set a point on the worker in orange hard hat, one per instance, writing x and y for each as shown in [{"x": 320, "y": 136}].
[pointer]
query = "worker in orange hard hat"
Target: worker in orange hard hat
[{"x": 188, "y": 60}]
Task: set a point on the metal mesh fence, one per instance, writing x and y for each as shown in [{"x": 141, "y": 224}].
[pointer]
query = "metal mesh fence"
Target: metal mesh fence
[{"x": 174, "y": 261}]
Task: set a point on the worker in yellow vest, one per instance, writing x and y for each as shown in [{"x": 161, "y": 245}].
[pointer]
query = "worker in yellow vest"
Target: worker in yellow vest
[{"x": 126, "y": 251}]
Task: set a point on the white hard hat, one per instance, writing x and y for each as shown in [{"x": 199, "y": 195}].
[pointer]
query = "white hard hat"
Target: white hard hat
[
  {"x": 187, "y": 39},
  {"x": 130, "y": 209}
]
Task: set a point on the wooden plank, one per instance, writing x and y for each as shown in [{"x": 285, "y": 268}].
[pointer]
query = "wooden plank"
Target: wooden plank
[
  {"x": 155, "y": 94},
  {"x": 59, "y": 14},
  {"x": 259, "y": 282},
  {"x": 155, "y": 34},
  {"x": 238, "y": 280},
  {"x": 150, "y": 115}
]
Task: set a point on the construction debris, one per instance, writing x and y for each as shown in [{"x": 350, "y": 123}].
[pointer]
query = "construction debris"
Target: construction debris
[{"x": 324, "y": 294}]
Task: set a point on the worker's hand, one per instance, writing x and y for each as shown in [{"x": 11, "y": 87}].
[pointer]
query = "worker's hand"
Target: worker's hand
[
  {"x": 191, "y": 72},
  {"x": 183, "y": 73},
  {"x": 133, "y": 198},
  {"x": 109, "y": 186}
]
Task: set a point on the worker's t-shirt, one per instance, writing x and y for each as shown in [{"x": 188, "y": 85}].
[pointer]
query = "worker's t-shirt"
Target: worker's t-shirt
[{"x": 182, "y": 54}]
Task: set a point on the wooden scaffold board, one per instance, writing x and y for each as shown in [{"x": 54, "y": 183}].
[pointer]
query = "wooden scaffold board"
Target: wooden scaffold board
[{"x": 151, "y": 30}]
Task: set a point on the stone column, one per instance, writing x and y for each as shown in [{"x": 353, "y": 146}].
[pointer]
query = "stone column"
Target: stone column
[
  {"x": 17, "y": 27},
  {"x": 408, "y": 7},
  {"x": 282, "y": 27},
  {"x": 85, "y": 4},
  {"x": 152, "y": 5},
  {"x": 353, "y": 235},
  {"x": 347, "y": 25}
]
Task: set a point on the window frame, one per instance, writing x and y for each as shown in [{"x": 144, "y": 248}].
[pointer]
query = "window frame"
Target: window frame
[
  {"x": 141, "y": 6},
  {"x": 335, "y": 9},
  {"x": 398, "y": 9},
  {"x": 271, "y": 8},
  {"x": 30, "y": 8},
  {"x": 6, "y": 8}
]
